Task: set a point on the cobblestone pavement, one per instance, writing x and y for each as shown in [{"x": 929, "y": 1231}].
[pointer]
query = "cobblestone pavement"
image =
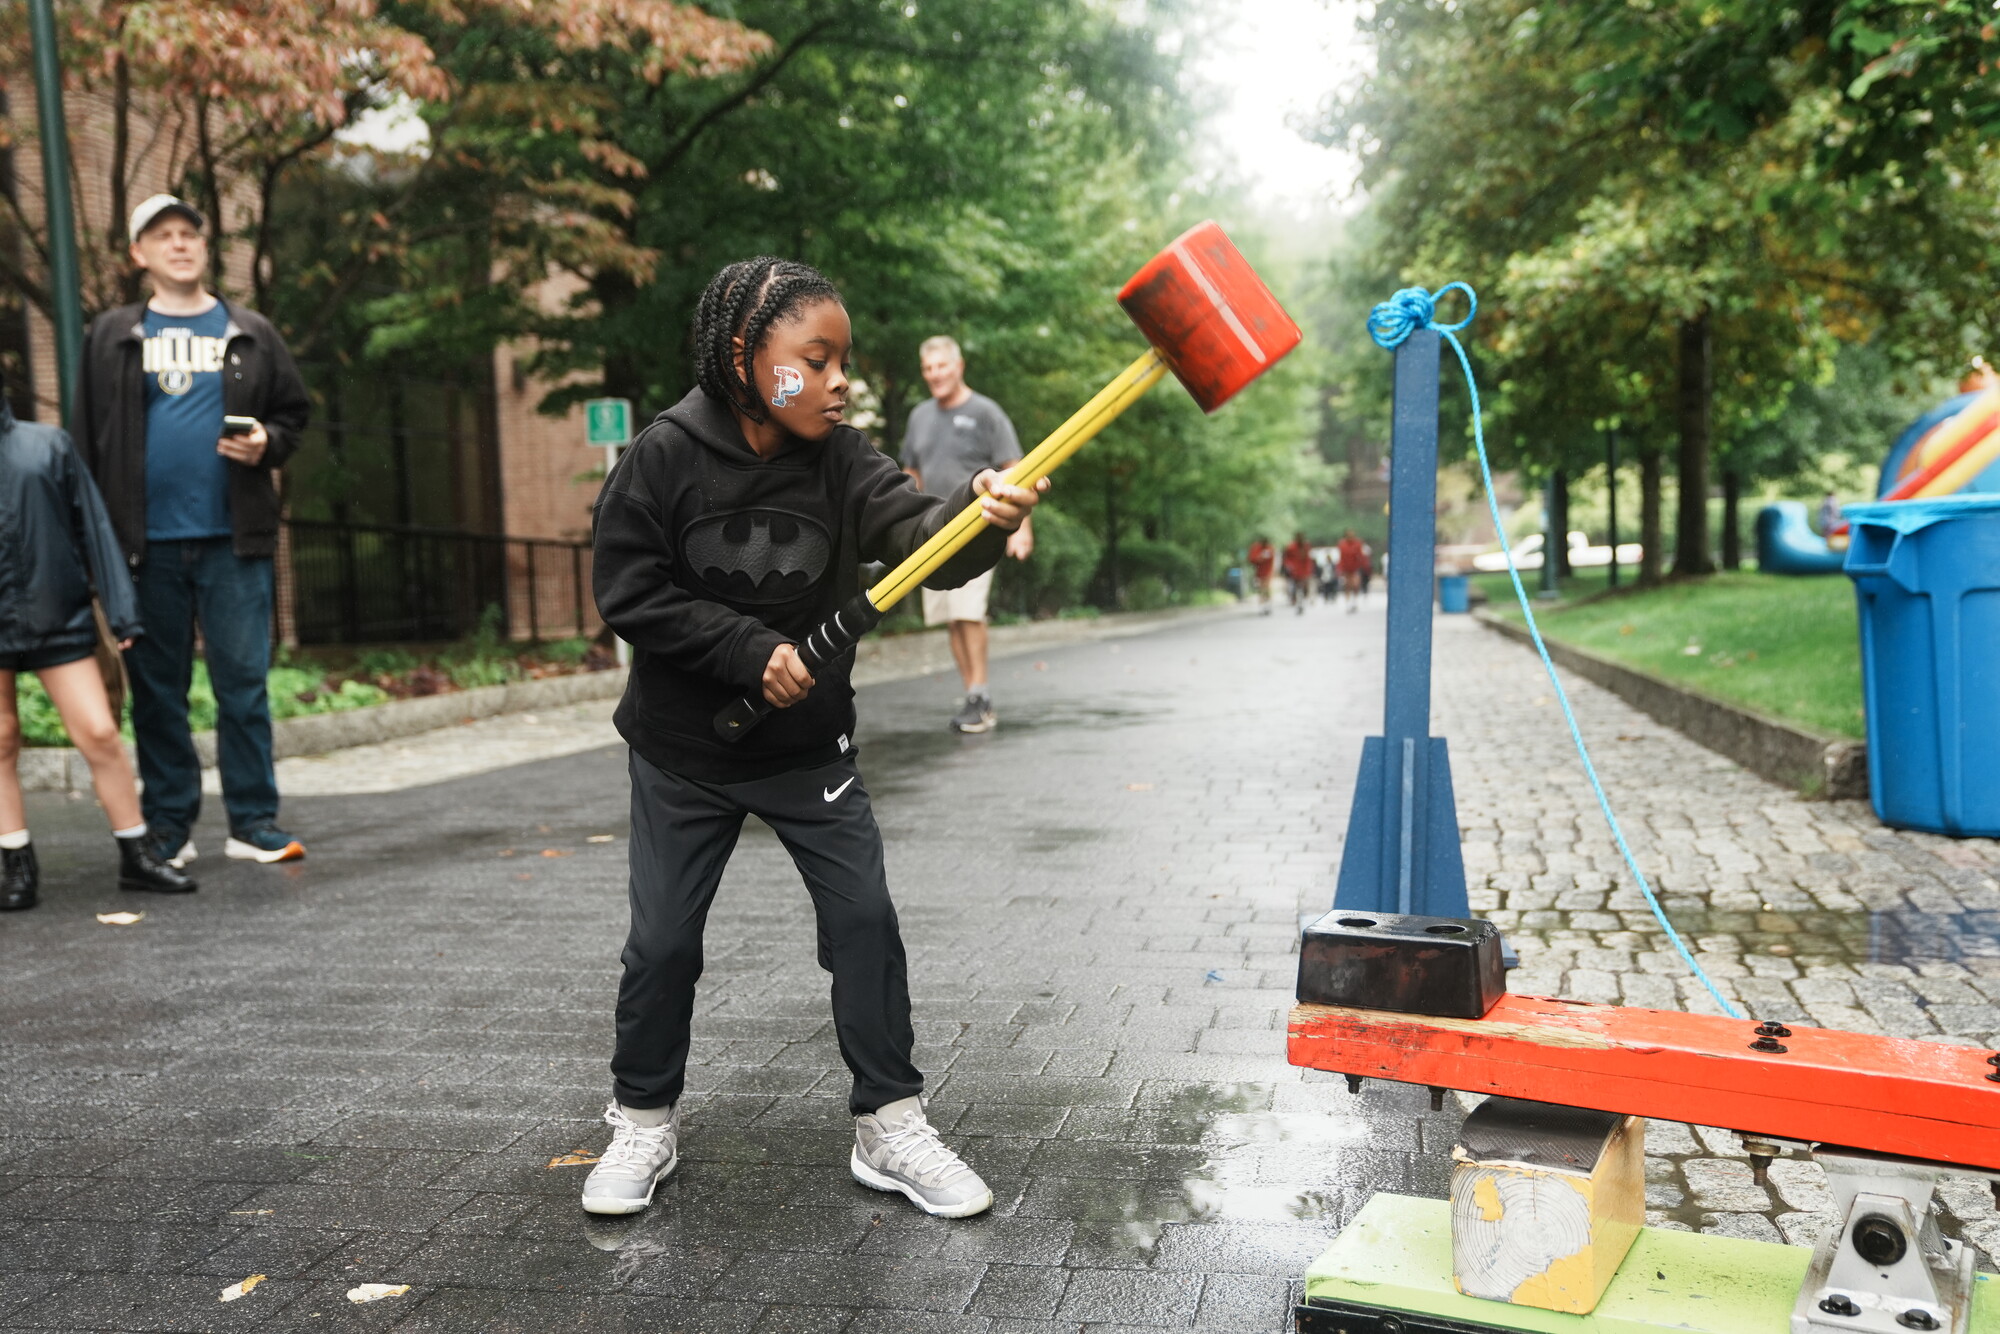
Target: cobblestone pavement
[{"x": 370, "y": 1066}]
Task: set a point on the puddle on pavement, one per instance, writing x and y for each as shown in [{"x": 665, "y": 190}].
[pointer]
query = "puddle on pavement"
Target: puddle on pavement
[
  {"x": 1903, "y": 934},
  {"x": 1241, "y": 1145},
  {"x": 1910, "y": 936}
]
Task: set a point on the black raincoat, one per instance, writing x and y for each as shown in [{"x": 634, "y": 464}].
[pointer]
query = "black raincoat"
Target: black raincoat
[{"x": 56, "y": 546}]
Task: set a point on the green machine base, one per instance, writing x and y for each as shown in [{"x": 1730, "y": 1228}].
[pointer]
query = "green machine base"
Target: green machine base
[{"x": 1389, "y": 1272}]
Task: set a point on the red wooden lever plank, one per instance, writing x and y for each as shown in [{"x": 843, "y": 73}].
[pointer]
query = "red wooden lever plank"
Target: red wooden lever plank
[{"x": 1889, "y": 1095}]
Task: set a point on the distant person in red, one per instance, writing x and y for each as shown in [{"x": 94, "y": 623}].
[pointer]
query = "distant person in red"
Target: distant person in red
[
  {"x": 1263, "y": 559},
  {"x": 1353, "y": 564},
  {"x": 1299, "y": 571}
]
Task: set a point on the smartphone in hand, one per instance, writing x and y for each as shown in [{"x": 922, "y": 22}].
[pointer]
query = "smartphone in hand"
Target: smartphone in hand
[{"x": 239, "y": 425}]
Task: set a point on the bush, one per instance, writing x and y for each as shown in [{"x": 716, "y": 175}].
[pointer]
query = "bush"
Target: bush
[{"x": 1055, "y": 577}]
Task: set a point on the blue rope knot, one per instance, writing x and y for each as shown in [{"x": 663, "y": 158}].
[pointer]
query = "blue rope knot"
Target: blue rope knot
[
  {"x": 1413, "y": 308},
  {"x": 1389, "y": 324}
]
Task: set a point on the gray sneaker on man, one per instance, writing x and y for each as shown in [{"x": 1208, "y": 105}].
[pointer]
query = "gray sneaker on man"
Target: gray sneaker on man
[
  {"x": 974, "y": 715},
  {"x": 897, "y": 1149},
  {"x": 637, "y": 1161}
]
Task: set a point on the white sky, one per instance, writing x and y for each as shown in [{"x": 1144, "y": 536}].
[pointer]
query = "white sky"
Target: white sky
[{"x": 1273, "y": 59}]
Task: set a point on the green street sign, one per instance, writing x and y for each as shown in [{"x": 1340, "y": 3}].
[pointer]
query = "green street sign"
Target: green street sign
[{"x": 607, "y": 421}]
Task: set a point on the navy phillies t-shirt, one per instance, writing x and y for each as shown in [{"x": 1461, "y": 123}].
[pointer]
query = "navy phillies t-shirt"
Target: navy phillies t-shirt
[{"x": 187, "y": 482}]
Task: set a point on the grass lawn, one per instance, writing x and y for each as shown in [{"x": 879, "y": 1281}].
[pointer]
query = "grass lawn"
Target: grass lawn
[{"x": 1785, "y": 647}]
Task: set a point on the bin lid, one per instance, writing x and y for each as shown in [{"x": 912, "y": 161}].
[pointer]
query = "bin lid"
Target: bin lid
[{"x": 1907, "y": 516}]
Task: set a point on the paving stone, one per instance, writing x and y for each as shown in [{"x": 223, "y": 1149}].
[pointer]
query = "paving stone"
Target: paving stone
[{"x": 385, "y": 1045}]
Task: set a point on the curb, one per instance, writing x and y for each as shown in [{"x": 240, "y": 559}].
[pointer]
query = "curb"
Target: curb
[
  {"x": 62, "y": 769},
  {"x": 898, "y": 658},
  {"x": 1810, "y": 762}
]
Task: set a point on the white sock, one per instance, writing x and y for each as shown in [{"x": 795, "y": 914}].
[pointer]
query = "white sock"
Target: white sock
[
  {"x": 647, "y": 1116},
  {"x": 978, "y": 692},
  {"x": 15, "y": 841},
  {"x": 136, "y": 831}
]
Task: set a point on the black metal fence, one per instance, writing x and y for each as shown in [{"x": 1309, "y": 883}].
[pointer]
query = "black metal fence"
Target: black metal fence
[{"x": 353, "y": 583}]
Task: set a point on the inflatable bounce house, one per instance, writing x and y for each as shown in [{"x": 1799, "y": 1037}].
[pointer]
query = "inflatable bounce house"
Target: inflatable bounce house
[{"x": 1953, "y": 448}]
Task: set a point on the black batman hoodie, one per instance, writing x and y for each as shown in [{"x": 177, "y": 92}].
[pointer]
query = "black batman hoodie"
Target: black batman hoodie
[{"x": 707, "y": 558}]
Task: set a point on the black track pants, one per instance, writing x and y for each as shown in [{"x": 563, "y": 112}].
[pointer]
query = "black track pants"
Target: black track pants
[{"x": 682, "y": 834}]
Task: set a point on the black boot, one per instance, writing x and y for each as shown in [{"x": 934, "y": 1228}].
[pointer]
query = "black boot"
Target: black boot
[
  {"x": 140, "y": 867},
  {"x": 20, "y": 877}
]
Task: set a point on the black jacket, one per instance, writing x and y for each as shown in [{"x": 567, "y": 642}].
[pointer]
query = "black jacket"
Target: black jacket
[
  {"x": 56, "y": 544},
  {"x": 259, "y": 379},
  {"x": 707, "y": 558}
]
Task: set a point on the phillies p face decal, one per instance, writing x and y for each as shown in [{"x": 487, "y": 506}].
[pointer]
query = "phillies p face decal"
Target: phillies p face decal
[{"x": 786, "y": 384}]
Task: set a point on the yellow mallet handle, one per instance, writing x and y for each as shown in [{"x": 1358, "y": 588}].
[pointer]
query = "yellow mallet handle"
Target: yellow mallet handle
[{"x": 1064, "y": 441}]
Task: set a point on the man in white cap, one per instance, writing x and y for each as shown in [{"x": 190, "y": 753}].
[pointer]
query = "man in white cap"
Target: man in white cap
[{"x": 187, "y": 404}]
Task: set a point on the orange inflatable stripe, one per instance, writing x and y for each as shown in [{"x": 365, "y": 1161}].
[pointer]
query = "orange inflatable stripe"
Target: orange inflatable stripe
[
  {"x": 1888, "y": 1095},
  {"x": 1947, "y": 444}
]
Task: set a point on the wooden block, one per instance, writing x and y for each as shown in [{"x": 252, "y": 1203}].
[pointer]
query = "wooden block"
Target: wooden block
[{"x": 1545, "y": 1202}]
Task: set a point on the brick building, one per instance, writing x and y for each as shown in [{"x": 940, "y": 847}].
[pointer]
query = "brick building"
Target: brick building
[{"x": 422, "y": 496}]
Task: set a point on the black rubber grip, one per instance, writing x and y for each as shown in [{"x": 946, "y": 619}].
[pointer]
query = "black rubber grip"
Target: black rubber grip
[{"x": 831, "y": 638}]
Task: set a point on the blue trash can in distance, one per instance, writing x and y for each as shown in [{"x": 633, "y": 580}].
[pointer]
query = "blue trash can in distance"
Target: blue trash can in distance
[
  {"x": 1927, "y": 582},
  {"x": 1454, "y": 594}
]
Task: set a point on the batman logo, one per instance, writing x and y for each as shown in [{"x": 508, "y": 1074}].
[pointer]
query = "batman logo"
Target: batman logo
[{"x": 757, "y": 556}]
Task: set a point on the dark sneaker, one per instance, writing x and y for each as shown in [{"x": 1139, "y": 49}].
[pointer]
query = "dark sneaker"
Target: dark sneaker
[
  {"x": 266, "y": 843},
  {"x": 896, "y": 1148},
  {"x": 975, "y": 715},
  {"x": 20, "y": 878},
  {"x": 140, "y": 867},
  {"x": 638, "y": 1159}
]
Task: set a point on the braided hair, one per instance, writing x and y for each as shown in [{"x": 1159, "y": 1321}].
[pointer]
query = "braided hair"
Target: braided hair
[{"x": 745, "y": 300}]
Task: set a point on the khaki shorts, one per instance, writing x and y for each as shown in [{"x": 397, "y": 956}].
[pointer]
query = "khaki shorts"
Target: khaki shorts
[{"x": 966, "y": 603}]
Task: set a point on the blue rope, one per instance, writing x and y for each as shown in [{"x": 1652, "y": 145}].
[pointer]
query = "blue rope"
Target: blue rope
[{"x": 1389, "y": 324}]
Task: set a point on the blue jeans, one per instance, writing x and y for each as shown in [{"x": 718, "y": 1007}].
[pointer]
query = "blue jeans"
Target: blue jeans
[{"x": 180, "y": 584}]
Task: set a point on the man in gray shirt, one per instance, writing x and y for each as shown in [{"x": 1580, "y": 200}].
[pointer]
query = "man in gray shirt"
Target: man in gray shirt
[{"x": 949, "y": 438}]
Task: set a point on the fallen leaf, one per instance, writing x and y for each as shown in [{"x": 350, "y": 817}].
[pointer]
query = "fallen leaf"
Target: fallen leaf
[
  {"x": 1691, "y": 651},
  {"x": 119, "y": 918},
  {"x": 1138, "y": 787},
  {"x": 600, "y": 838},
  {"x": 375, "y": 1292},
  {"x": 1041, "y": 666},
  {"x": 235, "y": 1290},
  {"x": 555, "y": 852},
  {"x": 581, "y": 1158},
  {"x": 506, "y": 852},
  {"x": 524, "y": 875}
]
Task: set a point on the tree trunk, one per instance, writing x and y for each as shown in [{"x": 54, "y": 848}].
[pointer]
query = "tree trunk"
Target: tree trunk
[
  {"x": 1559, "y": 521},
  {"x": 1111, "y": 537},
  {"x": 1651, "y": 532},
  {"x": 1697, "y": 351},
  {"x": 1732, "y": 536}
]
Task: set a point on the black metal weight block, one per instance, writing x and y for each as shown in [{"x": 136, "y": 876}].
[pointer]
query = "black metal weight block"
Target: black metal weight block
[{"x": 1445, "y": 966}]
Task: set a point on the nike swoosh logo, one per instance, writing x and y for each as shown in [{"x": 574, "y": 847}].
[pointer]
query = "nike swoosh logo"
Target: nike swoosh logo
[{"x": 830, "y": 795}]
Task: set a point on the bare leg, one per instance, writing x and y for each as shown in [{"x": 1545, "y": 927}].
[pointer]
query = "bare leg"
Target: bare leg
[
  {"x": 956, "y": 633},
  {"x": 13, "y": 813},
  {"x": 972, "y": 661},
  {"x": 77, "y": 690}
]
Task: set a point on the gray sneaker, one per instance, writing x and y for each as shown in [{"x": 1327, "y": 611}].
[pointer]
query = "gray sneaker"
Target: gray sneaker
[
  {"x": 975, "y": 715},
  {"x": 897, "y": 1149},
  {"x": 638, "y": 1160}
]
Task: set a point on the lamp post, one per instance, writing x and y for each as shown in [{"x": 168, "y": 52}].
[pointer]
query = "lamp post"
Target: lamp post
[
  {"x": 64, "y": 288},
  {"x": 1611, "y": 490}
]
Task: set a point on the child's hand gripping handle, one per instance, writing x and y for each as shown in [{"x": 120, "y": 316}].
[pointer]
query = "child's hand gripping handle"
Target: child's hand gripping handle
[{"x": 832, "y": 638}]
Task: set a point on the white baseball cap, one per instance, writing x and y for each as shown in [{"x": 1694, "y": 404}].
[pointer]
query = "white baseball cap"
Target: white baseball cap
[{"x": 151, "y": 209}]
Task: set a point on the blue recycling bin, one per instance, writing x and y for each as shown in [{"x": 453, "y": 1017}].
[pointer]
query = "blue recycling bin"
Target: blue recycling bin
[
  {"x": 1454, "y": 594},
  {"x": 1927, "y": 578}
]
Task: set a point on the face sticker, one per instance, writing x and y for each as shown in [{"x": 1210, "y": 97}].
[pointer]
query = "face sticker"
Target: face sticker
[{"x": 789, "y": 383}]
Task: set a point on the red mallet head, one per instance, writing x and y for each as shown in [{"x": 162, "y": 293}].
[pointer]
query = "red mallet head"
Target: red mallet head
[{"x": 1214, "y": 322}]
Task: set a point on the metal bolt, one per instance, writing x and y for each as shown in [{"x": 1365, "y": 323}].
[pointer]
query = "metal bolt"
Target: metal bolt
[
  {"x": 1768, "y": 1044},
  {"x": 1918, "y": 1318},
  {"x": 1770, "y": 1029},
  {"x": 1840, "y": 1304},
  {"x": 1437, "y": 1098},
  {"x": 1354, "y": 1083}
]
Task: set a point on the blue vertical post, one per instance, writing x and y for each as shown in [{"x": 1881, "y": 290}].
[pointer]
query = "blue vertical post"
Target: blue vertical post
[{"x": 1402, "y": 852}]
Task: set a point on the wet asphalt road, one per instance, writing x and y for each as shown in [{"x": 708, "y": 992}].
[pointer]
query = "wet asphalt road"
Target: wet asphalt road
[{"x": 360, "y": 1068}]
